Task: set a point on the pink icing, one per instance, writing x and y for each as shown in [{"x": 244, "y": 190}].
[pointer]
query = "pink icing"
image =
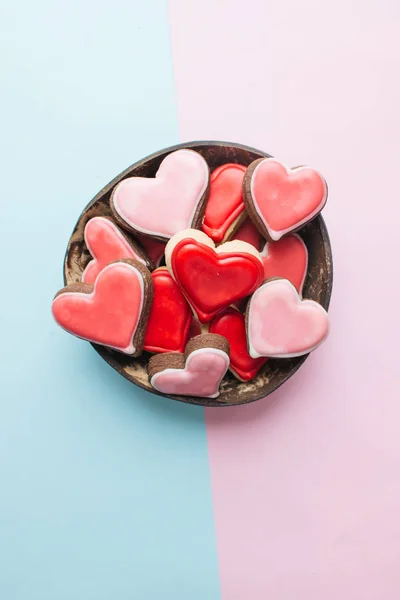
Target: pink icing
[
  {"x": 110, "y": 314},
  {"x": 105, "y": 243},
  {"x": 166, "y": 204},
  {"x": 201, "y": 376},
  {"x": 281, "y": 325},
  {"x": 286, "y": 198}
]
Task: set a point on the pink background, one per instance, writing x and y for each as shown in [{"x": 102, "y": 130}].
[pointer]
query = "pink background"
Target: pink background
[{"x": 306, "y": 484}]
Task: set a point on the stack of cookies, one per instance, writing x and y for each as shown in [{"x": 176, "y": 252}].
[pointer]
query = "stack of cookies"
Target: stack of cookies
[{"x": 204, "y": 272}]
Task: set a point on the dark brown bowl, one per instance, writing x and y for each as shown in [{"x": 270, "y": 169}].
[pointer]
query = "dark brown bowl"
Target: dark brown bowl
[{"x": 318, "y": 284}]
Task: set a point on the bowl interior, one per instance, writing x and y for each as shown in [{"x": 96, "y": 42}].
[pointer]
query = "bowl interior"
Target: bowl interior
[{"x": 318, "y": 284}]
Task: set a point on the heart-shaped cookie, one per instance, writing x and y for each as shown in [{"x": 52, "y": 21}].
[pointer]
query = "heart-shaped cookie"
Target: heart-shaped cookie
[
  {"x": 225, "y": 208},
  {"x": 282, "y": 325},
  {"x": 231, "y": 324},
  {"x": 112, "y": 312},
  {"x": 154, "y": 249},
  {"x": 172, "y": 201},
  {"x": 197, "y": 372},
  {"x": 287, "y": 258},
  {"x": 212, "y": 278},
  {"x": 281, "y": 200},
  {"x": 249, "y": 233},
  {"x": 170, "y": 316},
  {"x": 106, "y": 243}
]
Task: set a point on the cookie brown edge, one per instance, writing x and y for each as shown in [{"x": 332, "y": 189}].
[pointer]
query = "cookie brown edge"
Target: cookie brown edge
[
  {"x": 197, "y": 217},
  {"x": 80, "y": 288},
  {"x": 165, "y": 360},
  {"x": 253, "y": 214},
  {"x": 248, "y": 199},
  {"x": 148, "y": 294},
  {"x": 207, "y": 340}
]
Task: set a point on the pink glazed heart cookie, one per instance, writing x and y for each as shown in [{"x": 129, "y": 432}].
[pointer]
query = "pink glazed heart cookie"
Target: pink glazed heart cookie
[
  {"x": 198, "y": 372},
  {"x": 282, "y": 325},
  {"x": 280, "y": 200},
  {"x": 106, "y": 243},
  {"x": 113, "y": 312},
  {"x": 174, "y": 200},
  {"x": 288, "y": 259}
]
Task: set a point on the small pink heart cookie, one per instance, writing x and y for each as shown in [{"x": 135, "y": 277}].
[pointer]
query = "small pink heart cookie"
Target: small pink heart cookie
[
  {"x": 174, "y": 200},
  {"x": 106, "y": 243},
  {"x": 198, "y": 372},
  {"x": 282, "y": 325},
  {"x": 113, "y": 312},
  {"x": 280, "y": 200}
]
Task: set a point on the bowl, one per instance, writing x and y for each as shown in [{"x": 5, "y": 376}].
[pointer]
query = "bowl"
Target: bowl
[{"x": 317, "y": 286}]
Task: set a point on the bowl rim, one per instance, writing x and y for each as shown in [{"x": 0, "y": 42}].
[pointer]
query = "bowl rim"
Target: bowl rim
[{"x": 109, "y": 358}]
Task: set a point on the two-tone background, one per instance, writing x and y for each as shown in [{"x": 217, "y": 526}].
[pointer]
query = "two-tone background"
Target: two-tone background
[{"x": 107, "y": 492}]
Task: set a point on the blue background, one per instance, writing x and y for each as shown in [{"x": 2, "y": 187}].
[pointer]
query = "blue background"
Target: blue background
[{"x": 104, "y": 489}]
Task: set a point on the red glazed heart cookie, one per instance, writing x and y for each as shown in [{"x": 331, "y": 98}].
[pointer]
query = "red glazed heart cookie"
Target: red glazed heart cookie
[
  {"x": 288, "y": 259},
  {"x": 174, "y": 200},
  {"x": 281, "y": 200},
  {"x": 225, "y": 208},
  {"x": 198, "y": 372},
  {"x": 231, "y": 324},
  {"x": 106, "y": 244},
  {"x": 170, "y": 316},
  {"x": 282, "y": 325},
  {"x": 113, "y": 312},
  {"x": 212, "y": 278}
]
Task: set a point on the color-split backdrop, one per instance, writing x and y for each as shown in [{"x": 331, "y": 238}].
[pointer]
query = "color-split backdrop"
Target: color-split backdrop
[{"x": 107, "y": 492}]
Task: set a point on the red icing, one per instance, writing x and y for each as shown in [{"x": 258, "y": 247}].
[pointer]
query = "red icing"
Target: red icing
[
  {"x": 287, "y": 258},
  {"x": 225, "y": 202},
  {"x": 110, "y": 314},
  {"x": 154, "y": 248},
  {"x": 249, "y": 233},
  {"x": 106, "y": 244},
  {"x": 194, "y": 329},
  {"x": 286, "y": 198},
  {"x": 212, "y": 281},
  {"x": 170, "y": 316},
  {"x": 231, "y": 324}
]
